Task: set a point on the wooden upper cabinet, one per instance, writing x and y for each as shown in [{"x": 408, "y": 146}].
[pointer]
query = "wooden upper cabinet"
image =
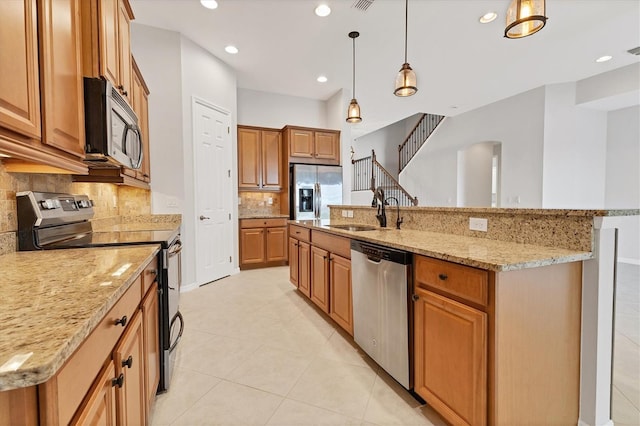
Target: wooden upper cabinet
[
  {"x": 271, "y": 159},
  {"x": 140, "y": 100},
  {"x": 19, "y": 84},
  {"x": 301, "y": 143},
  {"x": 106, "y": 47},
  {"x": 259, "y": 158},
  {"x": 313, "y": 146},
  {"x": 61, "y": 75}
]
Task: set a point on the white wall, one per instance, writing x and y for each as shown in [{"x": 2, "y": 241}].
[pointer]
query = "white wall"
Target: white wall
[
  {"x": 385, "y": 142},
  {"x": 263, "y": 109},
  {"x": 157, "y": 54},
  {"x": 474, "y": 175},
  {"x": 516, "y": 122},
  {"x": 175, "y": 69},
  {"x": 336, "y": 110},
  {"x": 623, "y": 177},
  {"x": 575, "y": 147}
]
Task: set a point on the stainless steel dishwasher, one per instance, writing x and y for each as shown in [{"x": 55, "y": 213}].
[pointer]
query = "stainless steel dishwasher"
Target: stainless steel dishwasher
[{"x": 381, "y": 280}]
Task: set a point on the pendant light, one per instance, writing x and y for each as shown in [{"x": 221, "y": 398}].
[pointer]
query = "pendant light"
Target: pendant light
[
  {"x": 524, "y": 17},
  {"x": 406, "y": 82},
  {"x": 353, "y": 112}
]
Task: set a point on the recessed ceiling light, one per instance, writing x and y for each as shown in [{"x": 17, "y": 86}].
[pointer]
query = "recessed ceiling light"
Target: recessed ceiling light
[
  {"x": 322, "y": 79},
  {"x": 209, "y": 4},
  {"x": 323, "y": 10},
  {"x": 604, "y": 58},
  {"x": 231, "y": 49},
  {"x": 488, "y": 17}
]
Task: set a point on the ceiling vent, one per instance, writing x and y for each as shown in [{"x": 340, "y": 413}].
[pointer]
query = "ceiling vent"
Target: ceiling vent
[
  {"x": 635, "y": 51},
  {"x": 362, "y": 5}
]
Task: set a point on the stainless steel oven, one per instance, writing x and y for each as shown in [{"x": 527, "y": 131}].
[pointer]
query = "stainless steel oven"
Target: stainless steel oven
[{"x": 48, "y": 221}]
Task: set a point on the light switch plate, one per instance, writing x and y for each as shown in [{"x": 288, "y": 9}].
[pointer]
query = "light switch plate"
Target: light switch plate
[
  {"x": 349, "y": 213},
  {"x": 344, "y": 213},
  {"x": 478, "y": 224}
]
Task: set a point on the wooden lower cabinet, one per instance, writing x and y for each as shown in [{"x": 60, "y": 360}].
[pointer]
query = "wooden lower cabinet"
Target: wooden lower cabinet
[
  {"x": 451, "y": 358},
  {"x": 320, "y": 278},
  {"x": 263, "y": 243},
  {"x": 151, "y": 345},
  {"x": 341, "y": 306},
  {"x": 304, "y": 268},
  {"x": 100, "y": 406},
  {"x": 129, "y": 359},
  {"x": 293, "y": 261},
  {"x": 498, "y": 348}
]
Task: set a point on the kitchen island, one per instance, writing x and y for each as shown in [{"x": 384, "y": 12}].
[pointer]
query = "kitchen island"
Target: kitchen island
[{"x": 507, "y": 324}]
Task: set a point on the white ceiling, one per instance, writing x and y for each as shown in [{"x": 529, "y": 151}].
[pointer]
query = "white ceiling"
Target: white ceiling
[{"x": 461, "y": 64}]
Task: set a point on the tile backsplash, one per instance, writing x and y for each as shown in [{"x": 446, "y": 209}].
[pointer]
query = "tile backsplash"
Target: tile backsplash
[
  {"x": 258, "y": 203},
  {"x": 109, "y": 199}
]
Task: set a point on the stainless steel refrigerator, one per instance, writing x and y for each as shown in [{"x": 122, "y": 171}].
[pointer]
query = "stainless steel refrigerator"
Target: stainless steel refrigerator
[{"x": 313, "y": 189}]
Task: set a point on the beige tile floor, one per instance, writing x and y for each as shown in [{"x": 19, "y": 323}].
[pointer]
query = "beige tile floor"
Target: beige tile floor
[{"x": 255, "y": 352}]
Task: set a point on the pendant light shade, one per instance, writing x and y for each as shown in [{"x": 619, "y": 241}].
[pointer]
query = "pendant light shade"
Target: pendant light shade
[
  {"x": 406, "y": 81},
  {"x": 353, "y": 112},
  {"x": 525, "y": 17}
]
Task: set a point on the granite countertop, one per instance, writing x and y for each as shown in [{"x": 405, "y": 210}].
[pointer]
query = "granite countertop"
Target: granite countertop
[
  {"x": 262, "y": 216},
  {"x": 53, "y": 299},
  {"x": 482, "y": 253}
]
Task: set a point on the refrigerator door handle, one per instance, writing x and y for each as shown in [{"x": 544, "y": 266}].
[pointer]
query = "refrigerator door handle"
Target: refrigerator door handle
[{"x": 316, "y": 203}]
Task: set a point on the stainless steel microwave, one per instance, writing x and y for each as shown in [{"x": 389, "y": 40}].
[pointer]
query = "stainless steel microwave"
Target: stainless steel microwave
[{"x": 111, "y": 127}]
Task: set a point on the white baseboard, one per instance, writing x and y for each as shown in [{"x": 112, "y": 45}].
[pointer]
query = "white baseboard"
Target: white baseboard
[
  {"x": 582, "y": 423},
  {"x": 188, "y": 287},
  {"x": 629, "y": 260}
]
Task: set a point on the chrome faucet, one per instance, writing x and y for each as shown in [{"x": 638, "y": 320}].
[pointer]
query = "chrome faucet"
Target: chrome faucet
[
  {"x": 398, "y": 218},
  {"x": 378, "y": 200}
]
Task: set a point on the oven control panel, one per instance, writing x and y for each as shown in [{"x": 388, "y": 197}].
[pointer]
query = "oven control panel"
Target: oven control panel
[{"x": 40, "y": 209}]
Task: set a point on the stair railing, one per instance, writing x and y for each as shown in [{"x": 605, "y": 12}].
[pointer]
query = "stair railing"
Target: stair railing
[
  {"x": 368, "y": 174},
  {"x": 417, "y": 137}
]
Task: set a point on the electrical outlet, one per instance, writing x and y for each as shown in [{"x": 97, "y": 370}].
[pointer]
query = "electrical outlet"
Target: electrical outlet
[
  {"x": 344, "y": 213},
  {"x": 270, "y": 201},
  {"x": 349, "y": 213},
  {"x": 477, "y": 224}
]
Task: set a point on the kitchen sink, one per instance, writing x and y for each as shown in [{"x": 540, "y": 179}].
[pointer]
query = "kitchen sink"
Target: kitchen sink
[{"x": 354, "y": 227}]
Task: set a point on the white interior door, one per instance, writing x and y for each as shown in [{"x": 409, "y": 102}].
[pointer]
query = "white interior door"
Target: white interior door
[{"x": 214, "y": 242}]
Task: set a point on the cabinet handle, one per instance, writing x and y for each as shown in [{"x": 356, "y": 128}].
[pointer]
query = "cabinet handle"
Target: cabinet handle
[
  {"x": 122, "y": 321},
  {"x": 118, "y": 381},
  {"x": 415, "y": 297},
  {"x": 128, "y": 363},
  {"x": 443, "y": 276},
  {"x": 121, "y": 89}
]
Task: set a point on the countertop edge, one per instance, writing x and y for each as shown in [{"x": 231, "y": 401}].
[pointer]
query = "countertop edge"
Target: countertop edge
[{"x": 574, "y": 256}]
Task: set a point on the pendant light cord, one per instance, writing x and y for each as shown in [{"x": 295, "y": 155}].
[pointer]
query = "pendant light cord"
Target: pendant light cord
[
  {"x": 354, "y": 68},
  {"x": 406, "y": 28}
]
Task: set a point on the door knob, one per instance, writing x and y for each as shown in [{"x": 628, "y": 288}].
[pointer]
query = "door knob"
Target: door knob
[{"x": 204, "y": 217}]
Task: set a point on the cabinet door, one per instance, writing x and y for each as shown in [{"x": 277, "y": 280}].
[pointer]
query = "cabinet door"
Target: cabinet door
[
  {"x": 141, "y": 108},
  {"x": 271, "y": 159},
  {"x": 124, "y": 49},
  {"x": 451, "y": 358},
  {"x": 248, "y": 158},
  {"x": 340, "y": 292},
  {"x": 320, "y": 278},
  {"x": 19, "y": 84},
  {"x": 61, "y": 75},
  {"x": 129, "y": 359},
  {"x": 276, "y": 244},
  {"x": 252, "y": 248},
  {"x": 293, "y": 261},
  {"x": 99, "y": 407},
  {"x": 109, "y": 12},
  {"x": 327, "y": 146},
  {"x": 151, "y": 345},
  {"x": 300, "y": 143},
  {"x": 304, "y": 268}
]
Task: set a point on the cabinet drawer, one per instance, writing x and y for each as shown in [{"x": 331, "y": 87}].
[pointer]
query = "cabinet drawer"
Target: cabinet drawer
[
  {"x": 74, "y": 379},
  {"x": 300, "y": 233},
  {"x": 149, "y": 275},
  {"x": 338, "y": 245},
  {"x": 263, "y": 223},
  {"x": 463, "y": 282}
]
